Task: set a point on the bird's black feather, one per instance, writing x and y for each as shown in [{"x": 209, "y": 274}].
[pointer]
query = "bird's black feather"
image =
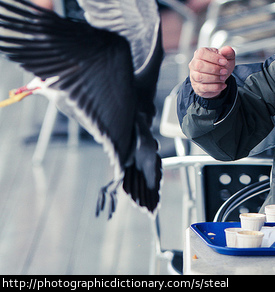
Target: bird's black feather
[{"x": 92, "y": 54}]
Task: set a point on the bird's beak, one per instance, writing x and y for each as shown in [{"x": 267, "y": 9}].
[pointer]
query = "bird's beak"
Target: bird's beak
[{"x": 16, "y": 95}]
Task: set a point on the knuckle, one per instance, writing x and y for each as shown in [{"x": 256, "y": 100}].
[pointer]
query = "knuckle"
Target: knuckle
[
  {"x": 214, "y": 87},
  {"x": 204, "y": 88},
  {"x": 194, "y": 84},
  {"x": 199, "y": 53},
  {"x": 218, "y": 87},
  {"x": 198, "y": 77},
  {"x": 214, "y": 69},
  {"x": 198, "y": 65},
  {"x": 196, "y": 52}
]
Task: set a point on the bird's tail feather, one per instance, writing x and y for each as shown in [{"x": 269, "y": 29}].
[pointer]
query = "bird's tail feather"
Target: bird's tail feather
[
  {"x": 134, "y": 184},
  {"x": 141, "y": 180}
]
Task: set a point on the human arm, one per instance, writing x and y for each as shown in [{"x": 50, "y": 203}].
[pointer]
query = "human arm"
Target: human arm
[{"x": 231, "y": 122}]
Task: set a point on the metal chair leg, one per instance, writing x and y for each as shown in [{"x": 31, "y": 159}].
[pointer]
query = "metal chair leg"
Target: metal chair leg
[{"x": 45, "y": 133}]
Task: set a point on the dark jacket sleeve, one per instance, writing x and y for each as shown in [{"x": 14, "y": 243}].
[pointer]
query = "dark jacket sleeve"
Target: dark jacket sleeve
[{"x": 230, "y": 126}]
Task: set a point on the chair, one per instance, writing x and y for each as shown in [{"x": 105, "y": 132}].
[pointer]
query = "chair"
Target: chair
[
  {"x": 242, "y": 24},
  {"x": 251, "y": 173},
  {"x": 229, "y": 178},
  {"x": 172, "y": 256},
  {"x": 185, "y": 48},
  {"x": 249, "y": 192}
]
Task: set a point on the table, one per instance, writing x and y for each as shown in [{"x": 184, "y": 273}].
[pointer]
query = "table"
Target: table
[{"x": 200, "y": 259}]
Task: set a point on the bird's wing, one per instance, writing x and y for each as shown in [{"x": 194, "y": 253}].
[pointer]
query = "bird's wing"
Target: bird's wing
[
  {"x": 94, "y": 66},
  {"x": 136, "y": 20}
]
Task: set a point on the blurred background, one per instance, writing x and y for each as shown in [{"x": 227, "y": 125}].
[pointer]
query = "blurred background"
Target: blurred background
[{"x": 51, "y": 170}]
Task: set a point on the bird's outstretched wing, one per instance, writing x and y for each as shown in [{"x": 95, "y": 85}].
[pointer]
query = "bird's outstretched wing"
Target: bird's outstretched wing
[
  {"x": 95, "y": 67},
  {"x": 138, "y": 21}
]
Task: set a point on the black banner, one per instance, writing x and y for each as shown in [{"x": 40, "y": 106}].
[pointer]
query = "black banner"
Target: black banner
[{"x": 160, "y": 283}]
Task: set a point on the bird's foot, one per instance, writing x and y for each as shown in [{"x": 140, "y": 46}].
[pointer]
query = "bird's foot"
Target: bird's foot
[{"x": 111, "y": 190}]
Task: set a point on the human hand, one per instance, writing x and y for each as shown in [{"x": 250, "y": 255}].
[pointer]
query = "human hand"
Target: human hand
[
  {"x": 48, "y": 4},
  {"x": 198, "y": 5},
  {"x": 209, "y": 70}
]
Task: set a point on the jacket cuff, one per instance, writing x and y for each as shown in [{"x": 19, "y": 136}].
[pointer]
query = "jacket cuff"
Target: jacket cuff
[
  {"x": 222, "y": 104},
  {"x": 228, "y": 94}
]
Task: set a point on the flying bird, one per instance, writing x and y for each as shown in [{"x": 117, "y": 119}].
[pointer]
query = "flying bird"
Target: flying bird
[{"x": 108, "y": 66}]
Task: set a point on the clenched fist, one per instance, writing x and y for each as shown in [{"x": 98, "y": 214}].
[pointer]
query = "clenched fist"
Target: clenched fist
[{"x": 209, "y": 70}]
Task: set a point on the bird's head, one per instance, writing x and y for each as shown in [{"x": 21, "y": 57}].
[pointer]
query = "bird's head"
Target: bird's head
[
  {"x": 35, "y": 86},
  {"x": 17, "y": 95}
]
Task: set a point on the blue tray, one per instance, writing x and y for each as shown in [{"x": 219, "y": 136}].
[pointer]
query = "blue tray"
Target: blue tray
[{"x": 212, "y": 233}]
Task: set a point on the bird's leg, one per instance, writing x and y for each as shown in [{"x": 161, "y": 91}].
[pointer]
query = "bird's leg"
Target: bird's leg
[
  {"x": 17, "y": 95},
  {"x": 111, "y": 189},
  {"x": 112, "y": 206},
  {"x": 102, "y": 198}
]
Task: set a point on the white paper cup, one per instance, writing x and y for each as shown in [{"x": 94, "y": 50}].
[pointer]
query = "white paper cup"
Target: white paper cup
[
  {"x": 231, "y": 236},
  {"x": 249, "y": 239},
  {"x": 270, "y": 213},
  {"x": 252, "y": 221}
]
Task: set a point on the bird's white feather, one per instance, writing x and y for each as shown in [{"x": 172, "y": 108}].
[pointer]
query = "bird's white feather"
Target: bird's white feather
[
  {"x": 136, "y": 20},
  {"x": 70, "y": 109}
]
